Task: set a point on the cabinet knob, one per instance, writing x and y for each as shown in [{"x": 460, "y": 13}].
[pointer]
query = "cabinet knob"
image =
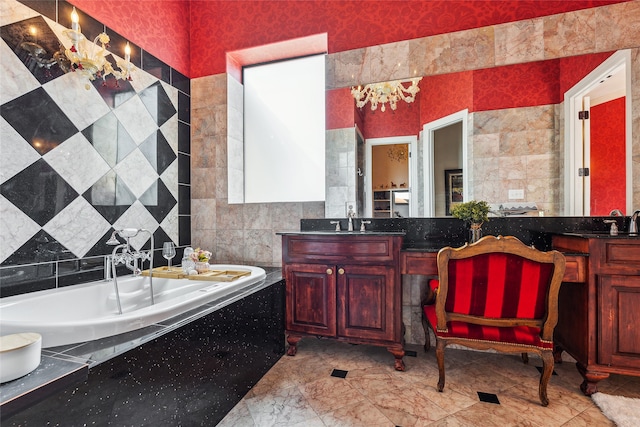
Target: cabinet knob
[
  {"x": 329, "y": 271},
  {"x": 341, "y": 271}
]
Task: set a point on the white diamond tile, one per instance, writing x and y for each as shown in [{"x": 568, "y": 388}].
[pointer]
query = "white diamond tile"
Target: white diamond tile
[
  {"x": 140, "y": 80},
  {"x": 170, "y": 131},
  {"x": 136, "y": 119},
  {"x": 77, "y": 162},
  {"x": 137, "y": 216},
  {"x": 136, "y": 171},
  {"x": 77, "y": 98},
  {"x": 170, "y": 178},
  {"x": 59, "y": 30},
  {"x": 170, "y": 224},
  {"x": 16, "y": 154},
  {"x": 172, "y": 93},
  {"x": 16, "y": 79},
  {"x": 16, "y": 228},
  {"x": 78, "y": 227},
  {"x": 11, "y": 11}
]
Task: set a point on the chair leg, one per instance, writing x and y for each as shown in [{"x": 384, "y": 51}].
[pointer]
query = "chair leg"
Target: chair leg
[
  {"x": 525, "y": 358},
  {"x": 547, "y": 370},
  {"x": 440, "y": 345}
]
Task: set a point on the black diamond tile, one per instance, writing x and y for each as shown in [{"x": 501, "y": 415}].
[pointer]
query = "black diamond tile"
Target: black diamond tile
[
  {"x": 35, "y": 44},
  {"x": 157, "y": 102},
  {"x": 43, "y": 7},
  {"x": 110, "y": 139},
  {"x": 339, "y": 373},
  {"x": 158, "y": 200},
  {"x": 159, "y": 237},
  {"x": 117, "y": 45},
  {"x": 39, "y": 192},
  {"x": 157, "y": 151},
  {"x": 488, "y": 398},
  {"x": 110, "y": 196},
  {"x": 37, "y": 118},
  {"x": 539, "y": 368}
]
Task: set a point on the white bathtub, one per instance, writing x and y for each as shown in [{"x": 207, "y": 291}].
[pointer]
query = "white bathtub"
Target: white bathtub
[{"x": 89, "y": 311}]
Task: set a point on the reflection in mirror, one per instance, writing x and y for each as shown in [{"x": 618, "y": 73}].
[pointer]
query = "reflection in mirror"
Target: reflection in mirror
[{"x": 514, "y": 138}]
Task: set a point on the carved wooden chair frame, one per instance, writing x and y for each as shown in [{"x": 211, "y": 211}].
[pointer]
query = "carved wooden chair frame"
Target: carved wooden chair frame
[{"x": 511, "y": 246}]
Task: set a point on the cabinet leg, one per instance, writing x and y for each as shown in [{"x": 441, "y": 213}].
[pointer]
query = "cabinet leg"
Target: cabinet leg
[
  {"x": 557, "y": 354},
  {"x": 591, "y": 378},
  {"x": 293, "y": 339},
  {"x": 398, "y": 353}
]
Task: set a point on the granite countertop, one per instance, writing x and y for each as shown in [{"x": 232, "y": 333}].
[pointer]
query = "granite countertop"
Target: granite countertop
[
  {"x": 602, "y": 235},
  {"x": 63, "y": 366},
  {"x": 341, "y": 233}
]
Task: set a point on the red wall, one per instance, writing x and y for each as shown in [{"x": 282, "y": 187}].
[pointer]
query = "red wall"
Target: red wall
[
  {"x": 608, "y": 157},
  {"x": 159, "y": 27},
  {"x": 193, "y": 36}
]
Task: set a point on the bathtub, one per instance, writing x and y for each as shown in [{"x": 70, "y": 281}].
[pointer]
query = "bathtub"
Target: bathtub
[{"x": 89, "y": 311}]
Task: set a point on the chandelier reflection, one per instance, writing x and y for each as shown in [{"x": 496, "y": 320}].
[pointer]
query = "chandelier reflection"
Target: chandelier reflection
[
  {"x": 90, "y": 59},
  {"x": 386, "y": 92},
  {"x": 398, "y": 152}
]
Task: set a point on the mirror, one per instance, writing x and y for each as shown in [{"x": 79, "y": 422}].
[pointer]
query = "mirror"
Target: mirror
[{"x": 515, "y": 136}]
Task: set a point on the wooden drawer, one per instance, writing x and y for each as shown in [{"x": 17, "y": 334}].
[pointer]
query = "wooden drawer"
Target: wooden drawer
[
  {"x": 341, "y": 249},
  {"x": 419, "y": 263}
]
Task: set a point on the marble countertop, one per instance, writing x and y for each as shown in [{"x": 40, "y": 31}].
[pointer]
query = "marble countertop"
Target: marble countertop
[
  {"x": 341, "y": 233},
  {"x": 602, "y": 235},
  {"x": 66, "y": 365}
]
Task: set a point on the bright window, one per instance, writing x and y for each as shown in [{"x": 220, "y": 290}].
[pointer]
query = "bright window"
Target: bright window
[{"x": 284, "y": 131}]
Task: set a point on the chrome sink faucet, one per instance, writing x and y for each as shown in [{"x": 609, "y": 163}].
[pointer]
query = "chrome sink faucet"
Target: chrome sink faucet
[
  {"x": 350, "y": 215},
  {"x": 633, "y": 222}
]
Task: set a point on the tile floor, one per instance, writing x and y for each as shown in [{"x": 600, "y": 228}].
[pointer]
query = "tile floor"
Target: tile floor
[{"x": 301, "y": 391}]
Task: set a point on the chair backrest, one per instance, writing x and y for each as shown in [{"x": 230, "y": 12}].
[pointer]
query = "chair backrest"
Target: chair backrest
[{"x": 499, "y": 281}]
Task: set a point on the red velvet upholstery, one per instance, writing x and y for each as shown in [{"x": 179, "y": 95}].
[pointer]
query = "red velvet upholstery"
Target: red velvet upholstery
[{"x": 496, "y": 294}]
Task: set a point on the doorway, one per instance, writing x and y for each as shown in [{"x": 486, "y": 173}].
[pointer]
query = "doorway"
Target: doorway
[
  {"x": 389, "y": 175},
  {"x": 445, "y": 155},
  {"x": 608, "y": 82}
]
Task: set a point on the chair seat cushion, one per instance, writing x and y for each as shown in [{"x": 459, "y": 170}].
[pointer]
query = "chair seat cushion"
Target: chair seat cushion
[{"x": 521, "y": 335}]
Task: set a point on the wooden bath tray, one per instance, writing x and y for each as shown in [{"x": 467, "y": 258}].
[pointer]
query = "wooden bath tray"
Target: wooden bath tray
[
  {"x": 221, "y": 275},
  {"x": 164, "y": 272}
]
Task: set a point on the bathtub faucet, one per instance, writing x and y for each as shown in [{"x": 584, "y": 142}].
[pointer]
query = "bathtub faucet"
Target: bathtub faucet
[{"x": 129, "y": 257}]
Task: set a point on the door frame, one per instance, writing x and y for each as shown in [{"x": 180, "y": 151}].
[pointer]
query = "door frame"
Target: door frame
[
  {"x": 577, "y": 189},
  {"x": 428, "y": 158},
  {"x": 412, "y": 141}
]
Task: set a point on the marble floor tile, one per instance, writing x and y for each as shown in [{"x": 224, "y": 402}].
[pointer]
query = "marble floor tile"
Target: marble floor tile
[{"x": 300, "y": 391}]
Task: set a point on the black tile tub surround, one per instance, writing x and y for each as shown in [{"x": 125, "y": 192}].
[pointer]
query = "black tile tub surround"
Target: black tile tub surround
[
  {"x": 435, "y": 233},
  {"x": 193, "y": 375}
]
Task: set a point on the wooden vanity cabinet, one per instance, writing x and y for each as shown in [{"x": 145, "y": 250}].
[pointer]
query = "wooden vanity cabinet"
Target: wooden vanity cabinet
[
  {"x": 346, "y": 287},
  {"x": 597, "y": 321}
]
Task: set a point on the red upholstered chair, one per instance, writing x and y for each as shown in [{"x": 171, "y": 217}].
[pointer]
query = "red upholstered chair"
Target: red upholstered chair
[{"x": 496, "y": 294}]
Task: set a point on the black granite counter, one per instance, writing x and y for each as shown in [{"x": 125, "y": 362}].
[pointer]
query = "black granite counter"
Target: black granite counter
[{"x": 65, "y": 366}]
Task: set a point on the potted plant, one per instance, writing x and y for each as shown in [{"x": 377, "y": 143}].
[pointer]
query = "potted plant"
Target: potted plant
[{"x": 475, "y": 213}]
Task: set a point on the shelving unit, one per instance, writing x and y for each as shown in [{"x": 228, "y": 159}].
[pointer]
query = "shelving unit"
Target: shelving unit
[{"x": 387, "y": 203}]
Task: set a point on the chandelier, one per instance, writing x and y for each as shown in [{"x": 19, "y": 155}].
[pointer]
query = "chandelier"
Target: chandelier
[
  {"x": 386, "y": 92},
  {"x": 90, "y": 60},
  {"x": 397, "y": 152}
]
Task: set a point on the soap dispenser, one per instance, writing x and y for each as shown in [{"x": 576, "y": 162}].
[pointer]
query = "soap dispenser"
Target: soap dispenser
[{"x": 614, "y": 226}]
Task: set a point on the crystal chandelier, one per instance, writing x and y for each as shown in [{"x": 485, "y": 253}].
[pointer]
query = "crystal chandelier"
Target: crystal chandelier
[
  {"x": 386, "y": 92},
  {"x": 89, "y": 59}
]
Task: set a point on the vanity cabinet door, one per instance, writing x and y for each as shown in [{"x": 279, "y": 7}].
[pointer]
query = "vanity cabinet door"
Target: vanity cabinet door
[
  {"x": 619, "y": 338},
  {"x": 366, "y": 302},
  {"x": 311, "y": 299}
]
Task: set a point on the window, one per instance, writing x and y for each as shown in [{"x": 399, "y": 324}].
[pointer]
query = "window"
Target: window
[{"x": 284, "y": 131}]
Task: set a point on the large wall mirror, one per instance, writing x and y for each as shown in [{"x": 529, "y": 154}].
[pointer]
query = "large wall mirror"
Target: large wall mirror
[{"x": 514, "y": 135}]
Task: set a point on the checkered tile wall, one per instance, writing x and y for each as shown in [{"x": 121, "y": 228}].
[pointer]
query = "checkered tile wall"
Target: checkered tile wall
[{"x": 80, "y": 158}]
